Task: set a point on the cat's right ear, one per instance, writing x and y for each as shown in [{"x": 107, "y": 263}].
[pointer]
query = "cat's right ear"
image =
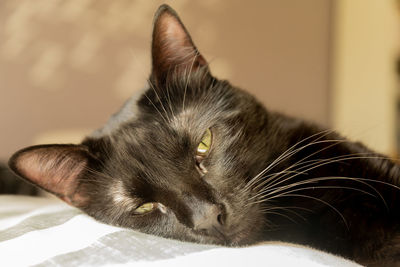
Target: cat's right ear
[
  {"x": 173, "y": 51},
  {"x": 54, "y": 168}
]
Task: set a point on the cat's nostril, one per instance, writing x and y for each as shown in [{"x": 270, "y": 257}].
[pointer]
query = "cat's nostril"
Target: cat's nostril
[
  {"x": 216, "y": 214},
  {"x": 220, "y": 219},
  {"x": 210, "y": 217}
]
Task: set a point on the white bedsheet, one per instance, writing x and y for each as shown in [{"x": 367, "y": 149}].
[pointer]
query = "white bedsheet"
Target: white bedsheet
[{"x": 47, "y": 232}]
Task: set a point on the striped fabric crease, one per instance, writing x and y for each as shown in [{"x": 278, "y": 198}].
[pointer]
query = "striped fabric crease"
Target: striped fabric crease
[{"x": 47, "y": 232}]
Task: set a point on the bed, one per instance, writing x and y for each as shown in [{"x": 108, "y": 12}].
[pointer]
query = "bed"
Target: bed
[{"x": 38, "y": 231}]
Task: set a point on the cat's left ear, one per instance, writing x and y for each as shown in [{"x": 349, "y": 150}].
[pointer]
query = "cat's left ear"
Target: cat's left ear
[
  {"x": 173, "y": 51},
  {"x": 55, "y": 168}
]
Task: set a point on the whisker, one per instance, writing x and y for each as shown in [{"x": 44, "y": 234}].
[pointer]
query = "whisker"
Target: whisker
[
  {"x": 196, "y": 54},
  {"x": 287, "y": 153},
  {"x": 310, "y": 188},
  {"x": 168, "y": 97},
  {"x": 165, "y": 120},
  {"x": 320, "y": 200},
  {"x": 327, "y": 178},
  {"x": 270, "y": 179},
  {"x": 283, "y": 215},
  {"x": 319, "y": 164},
  {"x": 336, "y": 142},
  {"x": 288, "y": 209},
  {"x": 159, "y": 99}
]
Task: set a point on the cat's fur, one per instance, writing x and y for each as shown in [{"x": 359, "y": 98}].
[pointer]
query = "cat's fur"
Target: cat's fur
[{"x": 266, "y": 177}]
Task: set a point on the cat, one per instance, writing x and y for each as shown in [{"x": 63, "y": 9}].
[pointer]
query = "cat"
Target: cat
[{"x": 197, "y": 159}]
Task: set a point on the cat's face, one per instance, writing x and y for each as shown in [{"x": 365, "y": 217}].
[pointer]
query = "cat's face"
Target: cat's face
[{"x": 174, "y": 162}]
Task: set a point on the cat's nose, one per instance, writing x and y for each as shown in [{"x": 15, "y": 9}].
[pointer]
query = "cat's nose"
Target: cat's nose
[{"x": 210, "y": 218}]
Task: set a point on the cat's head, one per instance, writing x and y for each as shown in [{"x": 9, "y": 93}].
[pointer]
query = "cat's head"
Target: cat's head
[{"x": 174, "y": 162}]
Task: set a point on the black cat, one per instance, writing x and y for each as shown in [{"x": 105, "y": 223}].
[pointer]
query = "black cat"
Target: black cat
[{"x": 197, "y": 159}]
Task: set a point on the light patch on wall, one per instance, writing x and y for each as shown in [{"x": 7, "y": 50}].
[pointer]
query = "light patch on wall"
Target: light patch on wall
[
  {"x": 206, "y": 33},
  {"x": 221, "y": 68},
  {"x": 18, "y": 20},
  {"x": 66, "y": 136},
  {"x": 135, "y": 73},
  {"x": 14, "y": 45},
  {"x": 44, "y": 8},
  {"x": 84, "y": 52},
  {"x": 17, "y": 31},
  {"x": 71, "y": 10},
  {"x": 43, "y": 72},
  {"x": 111, "y": 22},
  {"x": 364, "y": 81},
  {"x": 213, "y": 4}
]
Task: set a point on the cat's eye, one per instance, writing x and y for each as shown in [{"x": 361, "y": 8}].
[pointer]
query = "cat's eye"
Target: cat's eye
[
  {"x": 205, "y": 144},
  {"x": 145, "y": 208}
]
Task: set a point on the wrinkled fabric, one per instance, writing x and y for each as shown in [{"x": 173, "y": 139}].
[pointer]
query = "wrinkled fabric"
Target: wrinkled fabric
[{"x": 47, "y": 232}]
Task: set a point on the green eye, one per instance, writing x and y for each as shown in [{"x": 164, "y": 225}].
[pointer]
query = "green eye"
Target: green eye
[
  {"x": 145, "y": 208},
  {"x": 205, "y": 143}
]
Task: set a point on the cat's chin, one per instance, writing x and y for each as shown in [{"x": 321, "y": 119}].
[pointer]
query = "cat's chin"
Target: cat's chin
[{"x": 237, "y": 239}]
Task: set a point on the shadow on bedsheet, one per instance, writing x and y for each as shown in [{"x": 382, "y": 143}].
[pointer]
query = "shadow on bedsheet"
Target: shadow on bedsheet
[{"x": 123, "y": 247}]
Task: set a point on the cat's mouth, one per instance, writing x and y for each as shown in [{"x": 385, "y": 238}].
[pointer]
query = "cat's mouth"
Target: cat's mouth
[
  {"x": 223, "y": 237},
  {"x": 213, "y": 236}
]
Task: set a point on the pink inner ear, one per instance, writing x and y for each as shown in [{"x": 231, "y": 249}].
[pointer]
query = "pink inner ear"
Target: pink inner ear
[
  {"x": 173, "y": 49},
  {"x": 173, "y": 31},
  {"x": 55, "y": 169}
]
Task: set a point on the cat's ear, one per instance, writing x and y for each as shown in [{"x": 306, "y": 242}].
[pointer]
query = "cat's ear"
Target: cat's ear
[
  {"x": 54, "y": 168},
  {"x": 173, "y": 50}
]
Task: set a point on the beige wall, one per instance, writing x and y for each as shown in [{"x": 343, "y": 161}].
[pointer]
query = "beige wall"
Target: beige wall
[
  {"x": 65, "y": 66},
  {"x": 365, "y": 91}
]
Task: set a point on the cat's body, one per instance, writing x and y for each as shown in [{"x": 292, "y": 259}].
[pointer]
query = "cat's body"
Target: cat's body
[{"x": 196, "y": 159}]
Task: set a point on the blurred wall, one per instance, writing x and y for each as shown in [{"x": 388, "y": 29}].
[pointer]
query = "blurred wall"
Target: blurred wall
[
  {"x": 365, "y": 90},
  {"x": 65, "y": 66}
]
